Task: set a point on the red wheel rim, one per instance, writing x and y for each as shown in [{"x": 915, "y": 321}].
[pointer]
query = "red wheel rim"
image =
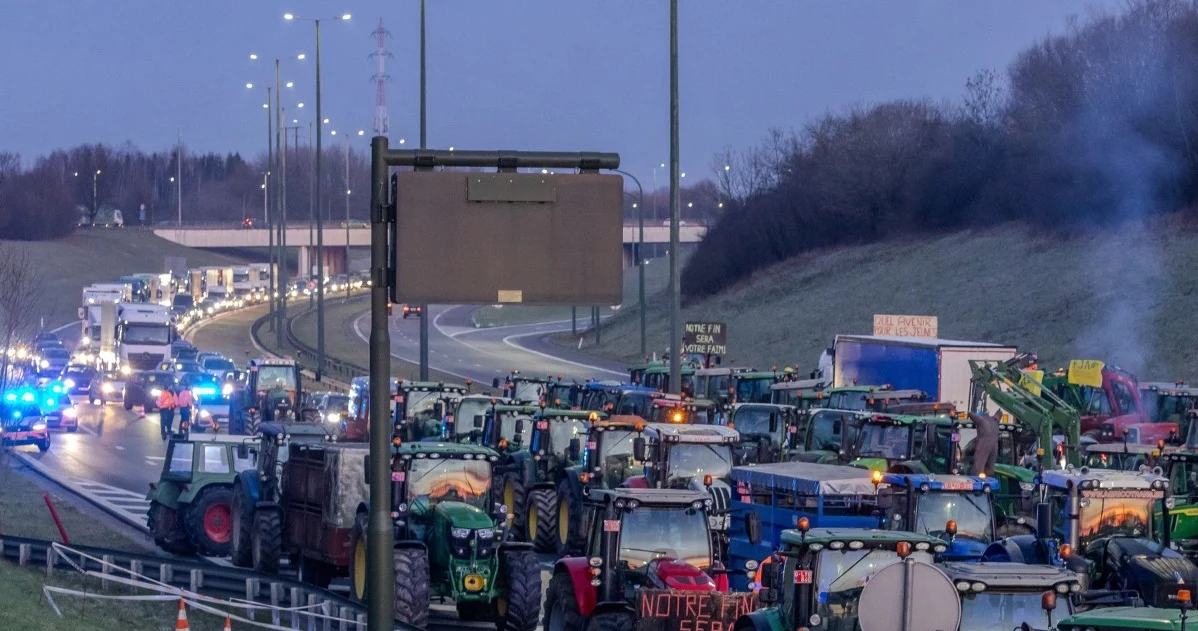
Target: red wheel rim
[{"x": 217, "y": 522}]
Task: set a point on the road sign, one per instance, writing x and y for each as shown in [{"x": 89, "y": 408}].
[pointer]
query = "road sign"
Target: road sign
[
  {"x": 705, "y": 338},
  {"x": 906, "y": 325},
  {"x": 515, "y": 238}
]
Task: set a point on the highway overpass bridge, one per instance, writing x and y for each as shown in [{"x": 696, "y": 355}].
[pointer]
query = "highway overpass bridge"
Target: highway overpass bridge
[{"x": 336, "y": 238}]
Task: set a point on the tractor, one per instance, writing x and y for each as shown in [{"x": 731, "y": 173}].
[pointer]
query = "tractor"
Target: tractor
[
  {"x": 765, "y": 432},
  {"x": 820, "y": 577},
  {"x": 451, "y": 540},
  {"x": 521, "y": 389},
  {"x": 257, "y": 507},
  {"x": 1007, "y": 595},
  {"x": 273, "y": 393},
  {"x": 191, "y": 504},
  {"x": 607, "y": 460},
  {"x": 418, "y": 407},
  {"x": 648, "y": 561}
]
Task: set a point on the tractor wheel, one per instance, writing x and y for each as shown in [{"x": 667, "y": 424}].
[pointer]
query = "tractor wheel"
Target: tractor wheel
[
  {"x": 357, "y": 558},
  {"x": 243, "y": 521},
  {"x": 267, "y": 541},
  {"x": 163, "y": 524},
  {"x": 315, "y": 572},
  {"x": 514, "y": 498},
  {"x": 561, "y": 606},
  {"x": 542, "y": 521},
  {"x": 519, "y": 603},
  {"x": 611, "y": 621},
  {"x": 209, "y": 521},
  {"x": 411, "y": 586},
  {"x": 252, "y": 420},
  {"x": 569, "y": 521},
  {"x": 128, "y": 404}
]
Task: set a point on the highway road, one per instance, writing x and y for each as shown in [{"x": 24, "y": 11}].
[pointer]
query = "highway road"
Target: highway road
[{"x": 481, "y": 354}]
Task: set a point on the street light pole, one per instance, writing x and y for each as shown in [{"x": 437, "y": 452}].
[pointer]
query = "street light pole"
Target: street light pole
[
  {"x": 424, "y": 314},
  {"x": 280, "y": 198},
  {"x": 347, "y": 191},
  {"x": 179, "y": 176},
  {"x": 272, "y": 299},
  {"x": 675, "y": 339},
  {"x": 95, "y": 195},
  {"x": 319, "y": 229},
  {"x": 640, "y": 255}
]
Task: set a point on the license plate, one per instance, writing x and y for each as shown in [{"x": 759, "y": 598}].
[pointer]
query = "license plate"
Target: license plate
[
  {"x": 611, "y": 525},
  {"x": 542, "y": 424},
  {"x": 803, "y": 577},
  {"x": 958, "y": 486},
  {"x": 397, "y": 476}
]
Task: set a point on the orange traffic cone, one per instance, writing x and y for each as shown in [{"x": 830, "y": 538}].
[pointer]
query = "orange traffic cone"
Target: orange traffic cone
[
  {"x": 228, "y": 623},
  {"x": 181, "y": 621}
]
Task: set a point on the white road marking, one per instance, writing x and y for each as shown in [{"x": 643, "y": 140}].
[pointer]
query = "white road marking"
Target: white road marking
[{"x": 508, "y": 341}]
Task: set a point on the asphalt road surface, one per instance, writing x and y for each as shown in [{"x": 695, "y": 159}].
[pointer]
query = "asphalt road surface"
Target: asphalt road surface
[{"x": 457, "y": 348}]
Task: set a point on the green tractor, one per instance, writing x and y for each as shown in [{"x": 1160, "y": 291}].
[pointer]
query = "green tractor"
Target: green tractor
[
  {"x": 421, "y": 406},
  {"x": 191, "y": 504},
  {"x": 451, "y": 540},
  {"x": 765, "y": 432},
  {"x": 1130, "y": 618},
  {"x": 521, "y": 389},
  {"x": 555, "y": 445},
  {"x": 608, "y": 459}
]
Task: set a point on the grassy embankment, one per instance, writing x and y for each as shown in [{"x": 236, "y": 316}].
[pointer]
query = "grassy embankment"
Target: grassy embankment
[{"x": 1128, "y": 295}]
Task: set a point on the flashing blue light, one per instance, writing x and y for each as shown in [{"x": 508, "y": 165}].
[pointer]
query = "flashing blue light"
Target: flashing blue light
[
  {"x": 10, "y": 396},
  {"x": 27, "y": 397},
  {"x": 204, "y": 390},
  {"x": 16, "y": 414},
  {"x": 51, "y": 403}
]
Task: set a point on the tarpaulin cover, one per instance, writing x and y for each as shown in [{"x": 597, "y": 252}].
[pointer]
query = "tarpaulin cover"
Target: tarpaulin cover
[
  {"x": 806, "y": 478},
  {"x": 345, "y": 478}
]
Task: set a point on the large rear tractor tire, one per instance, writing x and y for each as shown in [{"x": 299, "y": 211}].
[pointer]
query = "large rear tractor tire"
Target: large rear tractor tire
[
  {"x": 168, "y": 532},
  {"x": 411, "y": 586},
  {"x": 561, "y": 607},
  {"x": 242, "y": 547},
  {"x": 267, "y": 541},
  {"x": 357, "y": 558},
  {"x": 542, "y": 521},
  {"x": 611, "y": 621},
  {"x": 253, "y": 419},
  {"x": 210, "y": 522},
  {"x": 519, "y": 606},
  {"x": 569, "y": 521}
]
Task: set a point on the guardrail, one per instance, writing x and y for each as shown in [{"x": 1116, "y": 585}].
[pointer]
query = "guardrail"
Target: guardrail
[{"x": 306, "y": 355}]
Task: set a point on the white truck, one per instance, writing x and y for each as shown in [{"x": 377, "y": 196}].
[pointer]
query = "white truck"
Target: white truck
[
  {"x": 144, "y": 335},
  {"x": 260, "y": 278},
  {"x": 243, "y": 284},
  {"x": 218, "y": 285},
  {"x": 89, "y": 313}
]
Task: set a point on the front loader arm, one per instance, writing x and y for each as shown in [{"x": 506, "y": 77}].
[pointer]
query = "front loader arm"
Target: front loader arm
[{"x": 1003, "y": 383}]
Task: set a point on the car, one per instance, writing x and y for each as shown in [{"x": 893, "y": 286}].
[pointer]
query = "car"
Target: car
[
  {"x": 145, "y": 388},
  {"x": 202, "y": 355},
  {"x": 187, "y": 355},
  {"x": 217, "y": 365},
  {"x": 53, "y": 361},
  {"x": 45, "y": 345},
  {"x": 211, "y": 403},
  {"x": 330, "y": 405},
  {"x": 77, "y": 378},
  {"x": 412, "y": 310},
  {"x": 23, "y": 423},
  {"x": 46, "y": 336},
  {"x": 180, "y": 345},
  {"x": 107, "y": 387}
]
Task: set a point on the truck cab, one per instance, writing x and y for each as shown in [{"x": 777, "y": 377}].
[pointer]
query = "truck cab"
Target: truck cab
[{"x": 144, "y": 335}]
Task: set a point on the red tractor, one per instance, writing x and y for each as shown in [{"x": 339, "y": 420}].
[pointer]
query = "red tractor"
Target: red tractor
[{"x": 648, "y": 565}]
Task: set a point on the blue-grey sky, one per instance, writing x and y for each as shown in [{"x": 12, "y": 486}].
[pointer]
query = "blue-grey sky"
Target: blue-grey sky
[{"x": 524, "y": 74}]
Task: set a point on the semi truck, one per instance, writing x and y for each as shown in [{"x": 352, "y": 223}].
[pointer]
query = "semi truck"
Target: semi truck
[
  {"x": 242, "y": 285},
  {"x": 144, "y": 335},
  {"x": 938, "y": 367},
  {"x": 89, "y": 313},
  {"x": 260, "y": 275},
  {"x": 218, "y": 283}
]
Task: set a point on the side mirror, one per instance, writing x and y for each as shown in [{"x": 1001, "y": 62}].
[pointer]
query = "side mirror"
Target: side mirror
[
  {"x": 574, "y": 452},
  {"x": 773, "y": 422},
  {"x": 885, "y": 499},
  {"x": 768, "y": 594},
  {"x": 438, "y": 410},
  {"x": 366, "y": 468},
  {"x": 243, "y": 451},
  {"x": 753, "y": 527},
  {"x": 640, "y": 449},
  {"x": 519, "y": 428},
  {"x": 478, "y": 421}
]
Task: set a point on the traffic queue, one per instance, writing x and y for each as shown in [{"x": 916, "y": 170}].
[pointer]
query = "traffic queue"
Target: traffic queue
[{"x": 1019, "y": 497}]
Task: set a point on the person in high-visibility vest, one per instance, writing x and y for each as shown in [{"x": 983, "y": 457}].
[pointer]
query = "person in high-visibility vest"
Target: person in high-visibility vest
[
  {"x": 183, "y": 404},
  {"x": 166, "y": 411}
]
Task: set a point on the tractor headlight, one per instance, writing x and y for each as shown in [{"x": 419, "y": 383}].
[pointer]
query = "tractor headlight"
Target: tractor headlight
[
  {"x": 460, "y": 533},
  {"x": 226, "y": 389},
  {"x": 1027, "y": 487},
  {"x": 44, "y": 363},
  {"x": 485, "y": 533}
]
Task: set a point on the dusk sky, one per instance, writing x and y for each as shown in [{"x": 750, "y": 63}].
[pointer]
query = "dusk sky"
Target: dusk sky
[{"x": 560, "y": 75}]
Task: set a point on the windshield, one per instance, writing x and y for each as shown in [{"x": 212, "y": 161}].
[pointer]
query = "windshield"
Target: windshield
[
  {"x": 467, "y": 410},
  {"x": 847, "y": 401},
  {"x": 146, "y": 334},
  {"x": 649, "y": 533},
  {"x": 692, "y": 461},
  {"x": 887, "y": 441},
  {"x": 507, "y": 428},
  {"x": 755, "y": 390},
  {"x": 421, "y": 402},
  {"x": 182, "y": 300},
  {"x": 1115, "y": 513},
  {"x": 971, "y": 511},
  {"x": 615, "y": 456},
  {"x": 828, "y": 431},
  {"x": 753, "y": 421},
  {"x": 218, "y": 363},
  {"x": 997, "y": 611},
  {"x": 562, "y": 431},
  {"x": 336, "y": 403},
  {"x": 275, "y": 377},
  {"x": 158, "y": 378},
  {"x": 717, "y": 386},
  {"x": 527, "y": 390},
  {"x": 842, "y": 575},
  {"x": 1170, "y": 409},
  {"x": 635, "y": 404},
  {"x": 432, "y": 481},
  {"x": 56, "y": 353},
  {"x": 241, "y": 277}
]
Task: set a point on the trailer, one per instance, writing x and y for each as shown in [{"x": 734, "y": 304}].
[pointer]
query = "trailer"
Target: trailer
[{"x": 935, "y": 366}]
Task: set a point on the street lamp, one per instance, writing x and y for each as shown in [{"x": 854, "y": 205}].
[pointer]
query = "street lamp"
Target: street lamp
[
  {"x": 95, "y": 197},
  {"x": 375, "y": 605},
  {"x": 640, "y": 256}
]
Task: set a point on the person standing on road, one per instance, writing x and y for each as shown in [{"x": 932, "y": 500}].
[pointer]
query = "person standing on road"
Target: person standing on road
[
  {"x": 985, "y": 452},
  {"x": 184, "y": 403},
  {"x": 166, "y": 411}
]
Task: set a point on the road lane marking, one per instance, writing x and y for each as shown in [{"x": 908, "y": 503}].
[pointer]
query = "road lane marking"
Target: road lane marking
[{"x": 508, "y": 340}]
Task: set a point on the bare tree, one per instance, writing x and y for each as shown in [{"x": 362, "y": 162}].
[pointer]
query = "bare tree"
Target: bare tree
[
  {"x": 19, "y": 279},
  {"x": 985, "y": 98}
]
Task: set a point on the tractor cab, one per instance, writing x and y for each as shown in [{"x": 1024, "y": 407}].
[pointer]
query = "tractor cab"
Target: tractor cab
[
  {"x": 671, "y": 408},
  {"x": 803, "y": 394},
  {"x": 765, "y": 432},
  {"x": 1007, "y": 595},
  {"x": 523, "y": 389},
  {"x": 716, "y": 383},
  {"x": 648, "y": 561},
  {"x": 190, "y": 505},
  {"x": 505, "y": 428},
  {"x": 636, "y": 372},
  {"x": 753, "y": 386},
  {"x": 955, "y": 508},
  {"x": 275, "y": 385},
  {"x": 1130, "y": 618},
  {"x": 1181, "y": 468},
  {"x": 1120, "y": 456},
  {"x": 821, "y": 577},
  {"x": 602, "y": 396},
  {"x": 885, "y": 442},
  {"x": 467, "y": 416},
  {"x": 657, "y": 377},
  {"x": 871, "y": 398},
  {"x": 1107, "y": 397},
  {"x": 1168, "y": 402},
  {"x": 421, "y": 407}
]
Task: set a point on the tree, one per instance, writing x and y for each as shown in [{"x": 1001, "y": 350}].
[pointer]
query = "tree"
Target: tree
[{"x": 19, "y": 279}]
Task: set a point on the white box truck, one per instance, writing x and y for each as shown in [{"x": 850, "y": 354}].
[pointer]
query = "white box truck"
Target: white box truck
[{"x": 144, "y": 335}]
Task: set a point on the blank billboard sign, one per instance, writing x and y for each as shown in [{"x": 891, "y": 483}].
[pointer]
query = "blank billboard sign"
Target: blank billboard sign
[{"x": 511, "y": 238}]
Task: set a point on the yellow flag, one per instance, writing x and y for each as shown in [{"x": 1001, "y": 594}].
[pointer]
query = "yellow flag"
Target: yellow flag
[
  {"x": 1031, "y": 381},
  {"x": 1086, "y": 372}
]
